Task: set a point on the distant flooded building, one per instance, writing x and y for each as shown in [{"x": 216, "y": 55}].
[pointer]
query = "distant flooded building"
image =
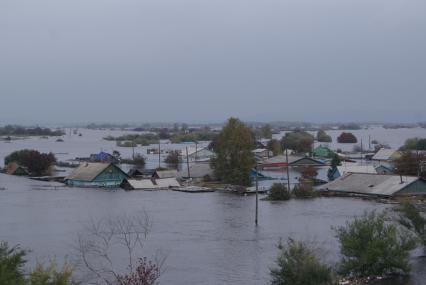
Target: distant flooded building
[
  {"x": 376, "y": 185},
  {"x": 280, "y": 161},
  {"x": 322, "y": 151},
  {"x": 334, "y": 173},
  {"x": 96, "y": 174}
]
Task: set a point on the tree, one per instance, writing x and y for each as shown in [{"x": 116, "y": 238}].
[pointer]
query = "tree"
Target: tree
[
  {"x": 36, "y": 162},
  {"x": 266, "y": 131},
  {"x": 414, "y": 144},
  {"x": 373, "y": 247},
  {"x": 297, "y": 264},
  {"x": 347, "y": 138},
  {"x": 103, "y": 238},
  {"x": 234, "y": 158},
  {"x": 336, "y": 161},
  {"x": 300, "y": 141},
  {"x": 274, "y": 146},
  {"x": 146, "y": 273},
  {"x": 409, "y": 163},
  {"x": 278, "y": 192},
  {"x": 172, "y": 159},
  {"x": 50, "y": 275},
  {"x": 323, "y": 137},
  {"x": 12, "y": 261}
]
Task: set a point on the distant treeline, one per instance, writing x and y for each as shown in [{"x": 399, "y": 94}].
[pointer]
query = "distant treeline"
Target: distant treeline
[
  {"x": 189, "y": 135},
  {"x": 22, "y": 131}
]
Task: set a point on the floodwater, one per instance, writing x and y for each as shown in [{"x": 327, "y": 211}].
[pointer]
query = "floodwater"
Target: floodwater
[{"x": 208, "y": 238}]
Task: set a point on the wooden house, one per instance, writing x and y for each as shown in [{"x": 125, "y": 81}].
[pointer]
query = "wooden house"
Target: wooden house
[{"x": 96, "y": 175}]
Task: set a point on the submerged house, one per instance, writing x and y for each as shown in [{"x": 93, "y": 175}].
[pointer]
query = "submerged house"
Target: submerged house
[
  {"x": 14, "y": 168},
  {"x": 96, "y": 174},
  {"x": 149, "y": 184},
  {"x": 323, "y": 151},
  {"x": 262, "y": 153},
  {"x": 103, "y": 157},
  {"x": 366, "y": 184},
  {"x": 386, "y": 157},
  {"x": 197, "y": 171},
  {"x": 280, "y": 161},
  {"x": 334, "y": 173},
  {"x": 197, "y": 154}
]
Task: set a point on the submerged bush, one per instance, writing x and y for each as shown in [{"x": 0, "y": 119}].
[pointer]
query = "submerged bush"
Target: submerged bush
[
  {"x": 297, "y": 264},
  {"x": 304, "y": 189},
  {"x": 278, "y": 192},
  {"x": 373, "y": 247}
]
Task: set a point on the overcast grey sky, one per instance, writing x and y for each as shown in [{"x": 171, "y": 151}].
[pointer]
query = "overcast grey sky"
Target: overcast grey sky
[{"x": 205, "y": 60}]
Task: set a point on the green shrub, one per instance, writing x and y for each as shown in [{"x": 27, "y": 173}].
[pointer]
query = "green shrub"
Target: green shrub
[
  {"x": 297, "y": 264},
  {"x": 11, "y": 265},
  {"x": 50, "y": 275},
  {"x": 411, "y": 218},
  {"x": 370, "y": 246},
  {"x": 278, "y": 192}
]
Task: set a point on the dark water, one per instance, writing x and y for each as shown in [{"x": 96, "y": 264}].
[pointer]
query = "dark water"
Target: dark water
[{"x": 209, "y": 238}]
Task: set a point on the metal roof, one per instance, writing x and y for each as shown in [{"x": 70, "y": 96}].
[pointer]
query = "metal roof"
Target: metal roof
[
  {"x": 166, "y": 183},
  {"x": 166, "y": 173},
  {"x": 384, "y": 154},
  {"x": 141, "y": 184},
  {"x": 356, "y": 168},
  {"x": 370, "y": 184}
]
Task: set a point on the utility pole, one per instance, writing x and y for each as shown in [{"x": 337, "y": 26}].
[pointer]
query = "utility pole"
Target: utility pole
[
  {"x": 257, "y": 196},
  {"x": 288, "y": 171},
  {"x": 159, "y": 153},
  {"x": 196, "y": 150},
  {"x": 133, "y": 149},
  {"x": 187, "y": 163}
]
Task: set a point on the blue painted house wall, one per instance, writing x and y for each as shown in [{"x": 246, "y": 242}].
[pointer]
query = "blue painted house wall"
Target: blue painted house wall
[{"x": 110, "y": 177}]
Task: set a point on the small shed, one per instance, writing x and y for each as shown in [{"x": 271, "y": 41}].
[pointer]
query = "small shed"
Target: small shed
[
  {"x": 385, "y": 154},
  {"x": 96, "y": 174},
  {"x": 166, "y": 183},
  {"x": 135, "y": 184}
]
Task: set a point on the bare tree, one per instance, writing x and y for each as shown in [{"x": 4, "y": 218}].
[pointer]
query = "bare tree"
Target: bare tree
[{"x": 122, "y": 237}]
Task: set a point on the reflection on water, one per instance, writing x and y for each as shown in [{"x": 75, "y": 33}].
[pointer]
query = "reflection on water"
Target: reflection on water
[{"x": 210, "y": 238}]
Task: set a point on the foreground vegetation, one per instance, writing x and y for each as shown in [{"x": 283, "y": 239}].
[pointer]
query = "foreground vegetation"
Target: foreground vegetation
[
  {"x": 12, "y": 262},
  {"x": 372, "y": 246}
]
